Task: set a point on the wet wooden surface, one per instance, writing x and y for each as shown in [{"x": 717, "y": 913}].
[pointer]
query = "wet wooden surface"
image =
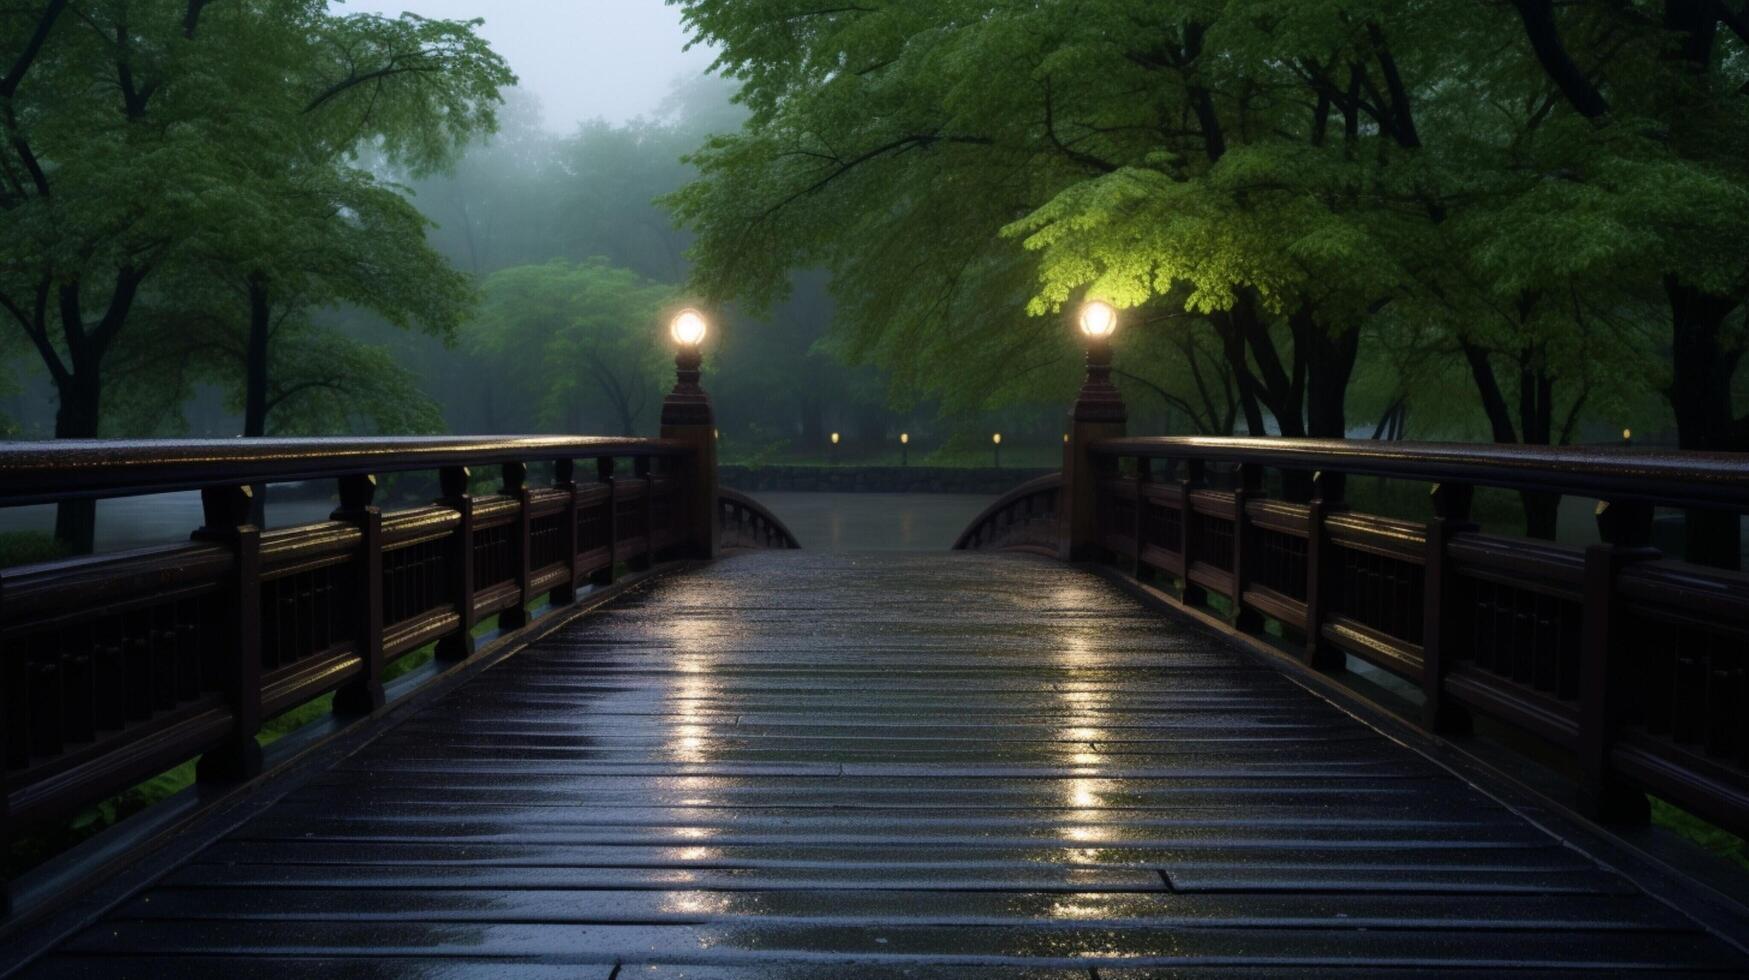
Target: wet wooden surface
[{"x": 963, "y": 765}]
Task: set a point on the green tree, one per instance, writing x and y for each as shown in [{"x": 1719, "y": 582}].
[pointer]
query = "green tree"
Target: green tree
[
  {"x": 223, "y": 141},
  {"x": 1319, "y": 191},
  {"x": 1649, "y": 106},
  {"x": 574, "y": 339}
]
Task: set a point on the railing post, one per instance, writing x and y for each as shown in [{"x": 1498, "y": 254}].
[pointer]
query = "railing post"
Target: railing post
[
  {"x": 1250, "y": 486},
  {"x": 604, "y": 474},
  {"x": 1099, "y": 413},
  {"x": 641, "y": 470},
  {"x": 453, "y": 481},
  {"x": 1605, "y": 671},
  {"x": 1192, "y": 480},
  {"x": 516, "y": 485},
  {"x": 1139, "y": 523},
  {"x": 6, "y": 829},
  {"x": 1440, "y": 616},
  {"x": 227, "y": 520},
  {"x": 1327, "y": 498},
  {"x": 687, "y": 418},
  {"x": 565, "y": 479},
  {"x": 357, "y": 507}
]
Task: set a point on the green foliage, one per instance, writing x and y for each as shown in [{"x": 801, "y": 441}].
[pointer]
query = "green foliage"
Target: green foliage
[
  {"x": 221, "y": 184},
  {"x": 28, "y": 548},
  {"x": 1315, "y": 209},
  {"x": 575, "y": 336},
  {"x": 1722, "y": 843}
]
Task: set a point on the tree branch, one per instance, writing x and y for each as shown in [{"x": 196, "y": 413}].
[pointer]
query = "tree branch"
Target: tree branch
[
  {"x": 1085, "y": 159},
  {"x": 1545, "y": 40},
  {"x": 32, "y": 47}
]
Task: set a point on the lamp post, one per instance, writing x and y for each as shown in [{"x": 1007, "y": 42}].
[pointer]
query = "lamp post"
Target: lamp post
[
  {"x": 904, "y": 449},
  {"x": 996, "y": 440},
  {"x": 832, "y": 449},
  {"x": 687, "y": 417},
  {"x": 1099, "y": 413}
]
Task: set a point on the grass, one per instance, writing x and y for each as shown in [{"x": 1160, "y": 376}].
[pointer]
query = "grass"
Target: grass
[
  {"x": 29, "y": 547},
  {"x": 1720, "y": 842}
]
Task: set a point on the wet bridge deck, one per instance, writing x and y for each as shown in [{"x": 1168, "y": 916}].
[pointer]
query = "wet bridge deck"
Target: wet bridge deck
[{"x": 787, "y": 764}]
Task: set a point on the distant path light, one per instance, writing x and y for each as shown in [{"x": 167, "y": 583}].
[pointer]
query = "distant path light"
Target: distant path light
[
  {"x": 996, "y": 438},
  {"x": 834, "y": 438},
  {"x": 688, "y": 328},
  {"x": 1098, "y": 319},
  {"x": 904, "y": 438}
]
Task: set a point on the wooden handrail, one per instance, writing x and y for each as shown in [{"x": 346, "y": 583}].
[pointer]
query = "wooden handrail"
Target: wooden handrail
[
  {"x": 1634, "y": 665},
  {"x": 116, "y": 667},
  {"x": 1666, "y": 477},
  {"x": 47, "y": 472}
]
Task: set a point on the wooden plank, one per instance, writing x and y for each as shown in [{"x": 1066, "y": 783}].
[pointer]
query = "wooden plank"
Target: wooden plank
[{"x": 967, "y": 766}]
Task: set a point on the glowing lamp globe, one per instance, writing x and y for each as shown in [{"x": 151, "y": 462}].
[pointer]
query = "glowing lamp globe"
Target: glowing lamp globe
[
  {"x": 996, "y": 438},
  {"x": 834, "y": 438},
  {"x": 1098, "y": 320},
  {"x": 904, "y": 438},
  {"x": 688, "y": 328},
  {"x": 1626, "y": 434}
]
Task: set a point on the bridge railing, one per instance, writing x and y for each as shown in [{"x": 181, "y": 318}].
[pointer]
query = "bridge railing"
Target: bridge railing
[
  {"x": 746, "y": 523},
  {"x": 1023, "y": 519},
  {"x": 1634, "y": 666},
  {"x": 117, "y": 667}
]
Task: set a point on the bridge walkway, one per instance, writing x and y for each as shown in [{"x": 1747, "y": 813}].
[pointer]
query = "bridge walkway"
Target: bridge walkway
[{"x": 786, "y": 764}]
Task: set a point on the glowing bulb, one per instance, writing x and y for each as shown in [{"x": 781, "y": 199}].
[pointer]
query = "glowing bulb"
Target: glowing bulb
[
  {"x": 996, "y": 438},
  {"x": 904, "y": 438},
  {"x": 688, "y": 328},
  {"x": 1098, "y": 320},
  {"x": 834, "y": 438},
  {"x": 1627, "y": 434},
  {"x": 1065, "y": 438}
]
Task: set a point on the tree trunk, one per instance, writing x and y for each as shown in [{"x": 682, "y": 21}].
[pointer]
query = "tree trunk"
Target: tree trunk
[
  {"x": 1700, "y": 397},
  {"x": 1233, "y": 346},
  {"x": 81, "y": 398},
  {"x": 1540, "y": 512},
  {"x": 1330, "y": 367}
]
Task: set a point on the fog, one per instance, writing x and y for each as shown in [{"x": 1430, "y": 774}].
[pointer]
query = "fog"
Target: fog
[{"x": 582, "y": 59}]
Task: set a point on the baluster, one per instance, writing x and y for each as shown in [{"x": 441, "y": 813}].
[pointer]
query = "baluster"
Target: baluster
[
  {"x": 609, "y": 523},
  {"x": 453, "y": 484},
  {"x": 1327, "y": 498},
  {"x": 643, "y": 560},
  {"x": 364, "y": 694},
  {"x": 1250, "y": 486},
  {"x": 1138, "y": 525},
  {"x": 516, "y": 485},
  {"x": 227, "y": 521},
  {"x": 1440, "y": 617},
  {"x": 8, "y": 652},
  {"x": 1195, "y": 475},
  {"x": 1606, "y": 675},
  {"x": 565, "y": 479}
]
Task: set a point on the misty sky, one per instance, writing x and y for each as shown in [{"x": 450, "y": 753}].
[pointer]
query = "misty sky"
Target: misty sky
[{"x": 584, "y": 59}]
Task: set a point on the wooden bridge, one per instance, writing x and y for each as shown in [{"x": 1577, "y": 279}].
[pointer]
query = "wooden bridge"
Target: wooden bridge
[{"x": 1245, "y": 729}]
